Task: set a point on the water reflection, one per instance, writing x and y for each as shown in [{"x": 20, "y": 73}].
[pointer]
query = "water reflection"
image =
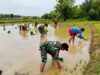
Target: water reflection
[{"x": 23, "y": 34}]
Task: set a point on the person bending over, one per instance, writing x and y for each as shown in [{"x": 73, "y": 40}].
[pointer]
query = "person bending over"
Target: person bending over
[
  {"x": 43, "y": 29},
  {"x": 75, "y": 32},
  {"x": 53, "y": 48}
]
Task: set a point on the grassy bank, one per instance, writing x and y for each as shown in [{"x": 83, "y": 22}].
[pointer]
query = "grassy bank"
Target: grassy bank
[
  {"x": 24, "y": 20},
  {"x": 93, "y": 67},
  {"x": 13, "y": 20}
]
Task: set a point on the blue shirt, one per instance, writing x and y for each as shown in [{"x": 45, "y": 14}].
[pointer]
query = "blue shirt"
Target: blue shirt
[{"x": 77, "y": 30}]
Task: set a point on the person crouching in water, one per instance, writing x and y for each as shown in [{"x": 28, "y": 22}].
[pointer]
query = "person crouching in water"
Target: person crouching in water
[
  {"x": 36, "y": 23},
  {"x": 24, "y": 27},
  {"x": 75, "y": 32},
  {"x": 55, "y": 23},
  {"x": 53, "y": 48},
  {"x": 43, "y": 29}
]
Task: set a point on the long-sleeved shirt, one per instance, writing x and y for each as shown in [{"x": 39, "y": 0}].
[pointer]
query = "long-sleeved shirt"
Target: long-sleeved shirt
[{"x": 50, "y": 47}]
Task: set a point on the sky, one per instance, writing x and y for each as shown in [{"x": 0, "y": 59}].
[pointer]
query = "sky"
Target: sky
[{"x": 29, "y": 7}]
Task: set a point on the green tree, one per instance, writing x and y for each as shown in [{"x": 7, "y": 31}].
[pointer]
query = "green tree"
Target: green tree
[
  {"x": 53, "y": 15},
  {"x": 50, "y": 15},
  {"x": 11, "y": 15},
  {"x": 64, "y": 8},
  {"x": 35, "y": 17},
  {"x": 86, "y": 6},
  {"x": 76, "y": 12},
  {"x": 91, "y": 9},
  {"x": 1, "y": 16},
  {"x": 45, "y": 16}
]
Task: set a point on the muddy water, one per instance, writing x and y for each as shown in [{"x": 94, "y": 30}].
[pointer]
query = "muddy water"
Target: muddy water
[{"x": 19, "y": 53}]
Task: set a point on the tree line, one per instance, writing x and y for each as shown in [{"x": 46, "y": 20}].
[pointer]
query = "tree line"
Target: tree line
[
  {"x": 13, "y": 16},
  {"x": 66, "y": 9},
  {"x": 9, "y": 16}
]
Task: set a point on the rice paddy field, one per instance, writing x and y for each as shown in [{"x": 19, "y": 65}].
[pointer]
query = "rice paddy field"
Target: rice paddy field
[{"x": 19, "y": 51}]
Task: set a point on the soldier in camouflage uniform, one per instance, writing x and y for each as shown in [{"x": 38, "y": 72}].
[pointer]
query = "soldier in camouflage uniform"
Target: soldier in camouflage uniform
[{"x": 53, "y": 48}]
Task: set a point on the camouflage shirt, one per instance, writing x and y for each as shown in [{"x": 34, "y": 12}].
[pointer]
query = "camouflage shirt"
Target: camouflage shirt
[{"x": 50, "y": 47}]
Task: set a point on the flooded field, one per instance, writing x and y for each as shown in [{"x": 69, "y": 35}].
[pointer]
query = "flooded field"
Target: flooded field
[{"x": 20, "y": 55}]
